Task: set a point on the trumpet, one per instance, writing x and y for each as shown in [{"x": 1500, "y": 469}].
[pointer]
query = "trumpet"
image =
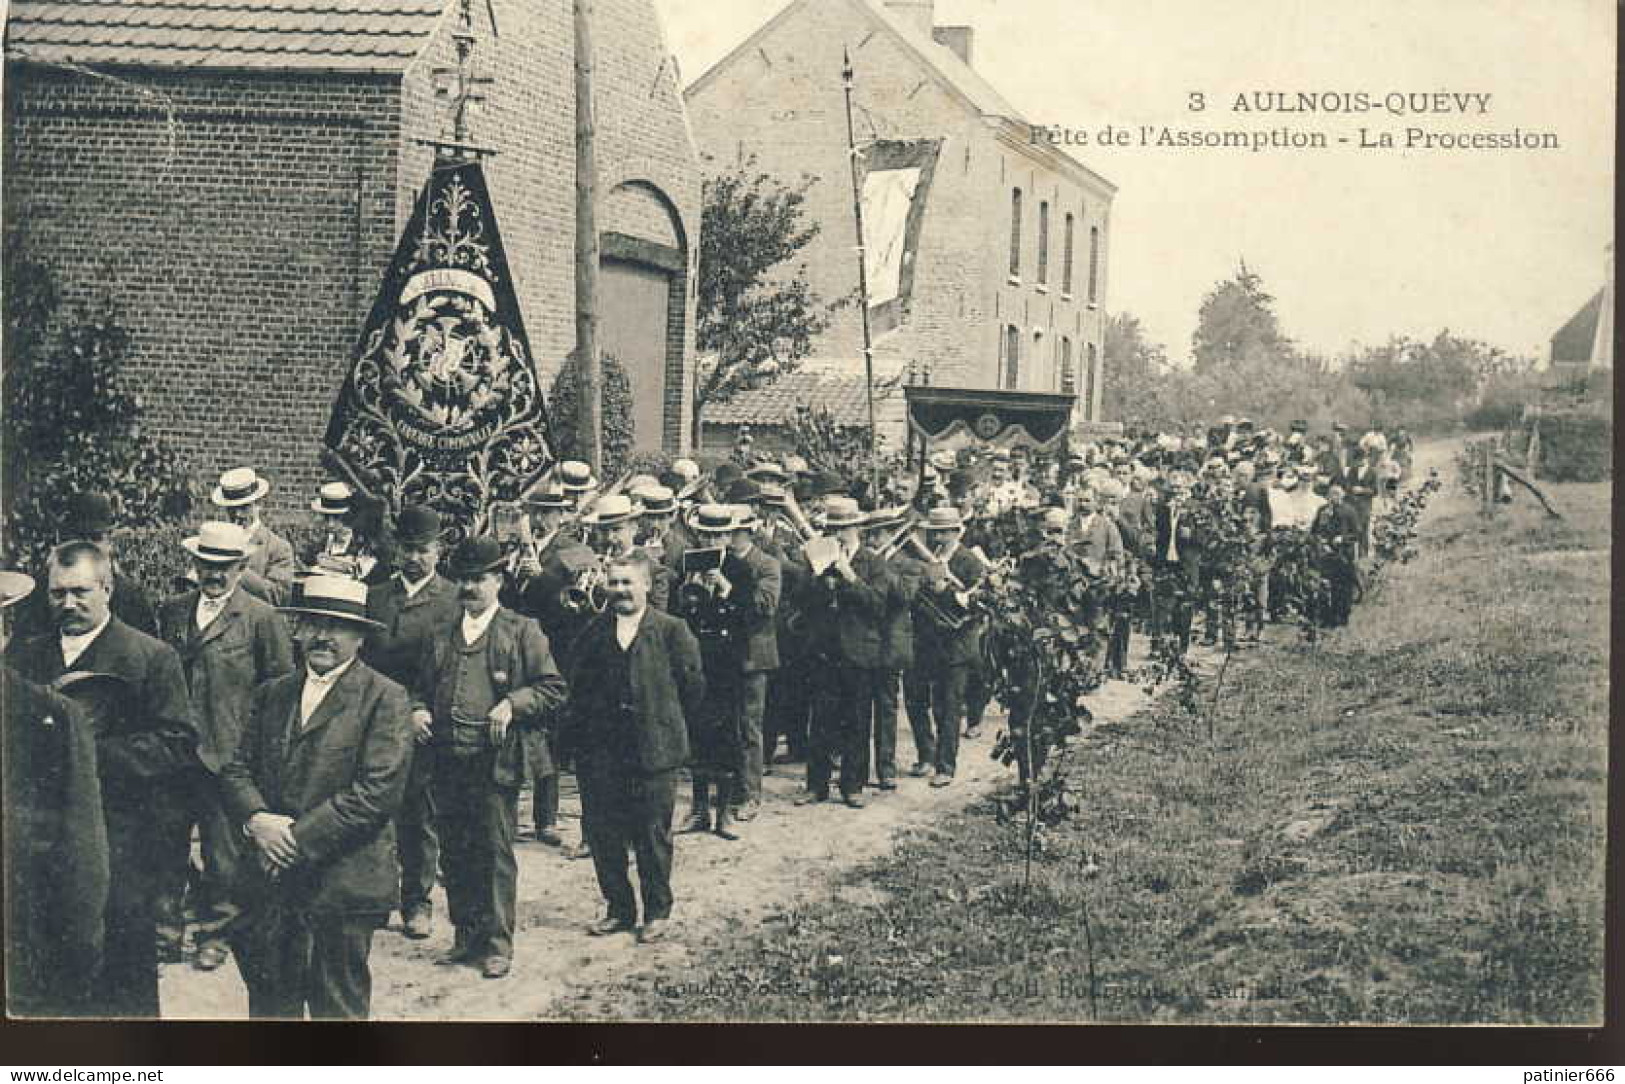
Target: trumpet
[{"x": 587, "y": 593}]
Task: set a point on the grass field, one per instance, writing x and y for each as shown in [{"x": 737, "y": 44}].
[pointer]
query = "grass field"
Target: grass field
[{"x": 1404, "y": 823}]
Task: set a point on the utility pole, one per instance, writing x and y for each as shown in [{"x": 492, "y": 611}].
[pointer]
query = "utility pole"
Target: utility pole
[
  {"x": 863, "y": 278},
  {"x": 590, "y": 413}
]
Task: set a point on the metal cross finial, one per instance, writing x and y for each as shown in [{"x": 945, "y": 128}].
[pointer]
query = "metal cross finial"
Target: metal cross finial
[{"x": 462, "y": 87}]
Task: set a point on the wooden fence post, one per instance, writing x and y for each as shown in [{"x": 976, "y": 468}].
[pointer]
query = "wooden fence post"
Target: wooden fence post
[{"x": 1488, "y": 480}]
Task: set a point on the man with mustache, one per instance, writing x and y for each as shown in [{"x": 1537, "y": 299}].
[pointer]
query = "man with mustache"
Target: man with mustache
[
  {"x": 486, "y": 689},
  {"x": 146, "y": 747},
  {"x": 315, "y": 783},
  {"x": 229, "y": 642},
  {"x": 635, "y": 678},
  {"x": 270, "y": 568},
  {"x": 409, "y": 608}
]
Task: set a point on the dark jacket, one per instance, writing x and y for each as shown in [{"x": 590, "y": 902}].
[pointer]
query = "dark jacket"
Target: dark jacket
[
  {"x": 522, "y": 669},
  {"x": 936, "y": 645},
  {"x": 897, "y": 631},
  {"x": 145, "y": 739},
  {"x": 409, "y": 623},
  {"x": 749, "y": 613},
  {"x": 844, "y": 617},
  {"x": 1189, "y": 541},
  {"x": 341, "y": 778},
  {"x": 540, "y": 597},
  {"x": 667, "y": 686},
  {"x": 1339, "y": 527},
  {"x": 271, "y": 566},
  {"x": 246, "y": 645},
  {"x": 56, "y": 856}
]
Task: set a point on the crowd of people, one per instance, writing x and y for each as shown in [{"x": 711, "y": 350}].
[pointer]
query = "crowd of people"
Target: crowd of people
[{"x": 341, "y": 729}]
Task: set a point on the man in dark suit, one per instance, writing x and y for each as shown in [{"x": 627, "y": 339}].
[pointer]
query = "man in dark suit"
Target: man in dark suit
[
  {"x": 845, "y": 604},
  {"x": 146, "y": 749},
  {"x": 229, "y": 642},
  {"x": 761, "y": 590},
  {"x": 896, "y": 639},
  {"x": 315, "y": 784},
  {"x": 944, "y": 656},
  {"x": 55, "y": 844},
  {"x": 410, "y": 607},
  {"x": 635, "y": 678},
  {"x": 1176, "y": 561},
  {"x": 486, "y": 690},
  {"x": 1337, "y": 527},
  {"x": 89, "y": 518}
]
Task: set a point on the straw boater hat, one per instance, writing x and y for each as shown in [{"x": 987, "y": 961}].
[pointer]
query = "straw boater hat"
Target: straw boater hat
[
  {"x": 575, "y": 476},
  {"x": 609, "y": 510},
  {"x": 219, "y": 543},
  {"x": 238, "y": 487},
  {"x": 944, "y": 517},
  {"x": 714, "y": 518},
  {"x": 322, "y": 595},
  {"x": 689, "y": 469},
  {"x": 745, "y": 517},
  {"x": 765, "y": 470},
  {"x": 657, "y": 500},
  {"x": 842, "y": 512},
  {"x": 14, "y": 587},
  {"x": 333, "y": 499},
  {"x": 884, "y": 518},
  {"x": 417, "y": 526},
  {"x": 551, "y": 497}
]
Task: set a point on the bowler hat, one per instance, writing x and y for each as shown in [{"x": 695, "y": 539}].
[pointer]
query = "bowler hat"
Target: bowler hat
[
  {"x": 474, "y": 557},
  {"x": 219, "y": 543},
  {"x": 744, "y": 491},
  {"x": 89, "y": 515},
  {"x": 724, "y": 476},
  {"x": 331, "y": 596},
  {"x": 417, "y": 525},
  {"x": 239, "y": 486}
]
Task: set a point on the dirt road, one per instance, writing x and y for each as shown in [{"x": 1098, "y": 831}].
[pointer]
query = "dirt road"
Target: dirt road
[{"x": 789, "y": 856}]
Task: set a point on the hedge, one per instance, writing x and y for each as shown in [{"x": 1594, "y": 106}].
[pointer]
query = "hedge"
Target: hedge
[{"x": 1576, "y": 447}]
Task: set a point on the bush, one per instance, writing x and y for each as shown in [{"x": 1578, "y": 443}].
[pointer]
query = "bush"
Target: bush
[
  {"x": 564, "y": 404},
  {"x": 72, "y": 425},
  {"x": 1576, "y": 447},
  {"x": 152, "y": 557},
  {"x": 1493, "y": 416}
]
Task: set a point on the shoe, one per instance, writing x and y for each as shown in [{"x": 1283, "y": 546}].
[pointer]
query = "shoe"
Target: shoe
[
  {"x": 699, "y": 820},
  {"x": 725, "y": 824},
  {"x": 888, "y": 784},
  {"x": 747, "y": 812},
  {"x": 210, "y": 955},
  {"x": 418, "y": 923},
  {"x": 920, "y": 770},
  {"x": 942, "y": 779},
  {"x": 461, "y": 952},
  {"x": 853, "y": 801},
  {"x": 608, "y": 925},
  {"x": 654, "y": 930},
  {"x": 549, "y": 836},
  {"x": 809, "y": 797},
  {"x": 496, "y": 967}
]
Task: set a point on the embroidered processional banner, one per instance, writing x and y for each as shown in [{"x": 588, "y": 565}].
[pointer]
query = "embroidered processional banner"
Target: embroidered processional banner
[{"x": 442, "y": 405}]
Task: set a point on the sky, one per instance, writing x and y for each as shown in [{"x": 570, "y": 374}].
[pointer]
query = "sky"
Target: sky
[{"x": 1355, "y": 244}]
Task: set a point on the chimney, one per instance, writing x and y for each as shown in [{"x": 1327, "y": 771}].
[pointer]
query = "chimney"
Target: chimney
[
  {"x": 917, "y": 14},
  {"x": 956, "y": 38}
]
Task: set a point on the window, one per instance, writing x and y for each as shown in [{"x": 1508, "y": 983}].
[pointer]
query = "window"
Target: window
[
  {"x": 1094, "y": 262},
  {"x": 1089, "y": 387},
  {"x": 1043, "y": 241},
  {"x": 1015, "y": 233},
  {"x": 1012, "y": 357},
  {"x": 1069, "y": 378},
  {"x": 1066, "y": 257}
]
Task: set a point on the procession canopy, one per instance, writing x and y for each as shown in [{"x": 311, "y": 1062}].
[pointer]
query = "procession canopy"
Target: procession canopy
[
  {"x": 1001, "y": 418},
  {"x": 442, "y": 404}
]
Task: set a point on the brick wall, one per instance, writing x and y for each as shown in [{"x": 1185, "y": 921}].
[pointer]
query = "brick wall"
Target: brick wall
[
  {"x": 240, "y": 223},
  {"x": 782, "y": 101},
  {"x": 643, "y": 147}
]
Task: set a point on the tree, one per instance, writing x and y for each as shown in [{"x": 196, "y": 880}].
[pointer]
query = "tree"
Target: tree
[
  {"x": 72, "y": 424},
  {"x": 1237, "y": 323},
  {"x": 564, "y": 400},
  {"x": 1136, "y": 374},
  {"x": 1418, "y": 384},
  {"x": 753, "y": 320}
]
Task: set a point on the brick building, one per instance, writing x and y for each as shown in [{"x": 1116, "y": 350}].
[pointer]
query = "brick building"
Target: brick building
[
  {"x": 234, "y": 174},
  {"x": 988, "y": 246}
]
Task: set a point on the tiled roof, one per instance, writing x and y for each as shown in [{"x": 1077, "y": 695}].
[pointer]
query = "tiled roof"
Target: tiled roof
[
  {"x": 1574, "y": 339},
  {"x": 327, "y": 35},
  {"x": 835, "y": 388}
]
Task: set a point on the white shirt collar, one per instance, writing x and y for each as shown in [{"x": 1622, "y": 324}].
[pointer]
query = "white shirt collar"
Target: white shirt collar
[
  {"x": 313, "y": 678},
  {"x": 412, "y": 588},
  {"x": 210, "y": 608},
  {"x": 74, "y": 646},
  {"x": 474, "y": 627},
  {"x": 626, "y": 627}
]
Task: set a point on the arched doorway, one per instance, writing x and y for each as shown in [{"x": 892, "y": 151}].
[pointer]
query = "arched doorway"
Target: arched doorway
[{"x": 642, "y": 288}]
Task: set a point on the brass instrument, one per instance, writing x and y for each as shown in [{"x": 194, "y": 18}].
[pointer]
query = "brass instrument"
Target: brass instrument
[
  {"x": 946, "y": 610},
  {"x": 587, "y": 593}
]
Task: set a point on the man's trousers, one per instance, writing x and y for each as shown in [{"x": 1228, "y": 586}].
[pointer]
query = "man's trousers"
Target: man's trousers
[
  {"x": 222, "y": 851},
  {"x": 478, "y": 821},
  {"x": 883, "y": 700},
  {"x": 622, "y": 812},
  {"x": 840, "y": 726},
  {"x": 935, "y": 695},
  {"x": 752, "y": 704},
  {"x": 545, "y": 796},
  {"x": 789, "y": 708},
  {"x": 292, "y": 962},
  {"x": 416, "y": 842}
]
